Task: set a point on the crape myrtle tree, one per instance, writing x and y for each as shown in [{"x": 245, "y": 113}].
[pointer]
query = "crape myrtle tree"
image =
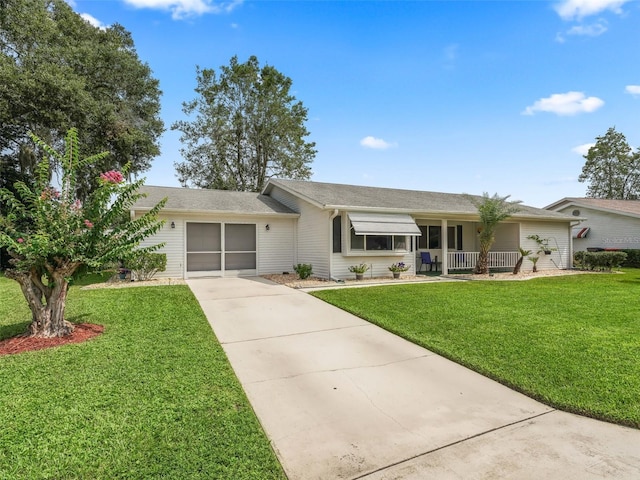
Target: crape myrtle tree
[
  {"x": 58, "y": 71},
  {"x": 52, "y": 235},
  {"x": 612, "y": 169},
  {"x": 492, "y": 210},
  {"x": 247, "y": 128}
]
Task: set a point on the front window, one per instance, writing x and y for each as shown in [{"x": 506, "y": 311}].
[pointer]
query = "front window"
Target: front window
[
  {"x": 431, "y": 237},
  {"x": 378, "y": 243},
  {"x": 435, "y": 237},
  {"x": 337, "y": 234}
]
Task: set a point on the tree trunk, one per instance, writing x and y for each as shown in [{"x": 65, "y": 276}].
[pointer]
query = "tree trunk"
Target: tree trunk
[
  {"x": 482, "y": 265},
  {"x": 518, "y": 266},
  {"x": 47, "y": 303}
]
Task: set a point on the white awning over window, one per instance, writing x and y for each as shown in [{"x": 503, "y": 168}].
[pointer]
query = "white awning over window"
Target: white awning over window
[
  {"x": 383, "y": 224},
  {"x": 580, "y": 232}
]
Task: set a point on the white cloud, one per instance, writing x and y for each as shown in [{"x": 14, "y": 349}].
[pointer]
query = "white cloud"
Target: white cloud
[
  {"x": 186, "y": 8},
  {"x": 570, "y": 103},
  {"x": 92, "y": 20},
  {"x": 633, "y": 90},
  {"x": 577, "y": 9},
  {"x": 376, "y": 143},
  {"x": 582, "y": 149},
  {"x": 592, "y": 30}
]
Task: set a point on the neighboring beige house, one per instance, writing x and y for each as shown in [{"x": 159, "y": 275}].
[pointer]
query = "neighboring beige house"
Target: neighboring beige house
[
  {"x": 332, "y": 226},
  {"x": 603, "y": 223}
]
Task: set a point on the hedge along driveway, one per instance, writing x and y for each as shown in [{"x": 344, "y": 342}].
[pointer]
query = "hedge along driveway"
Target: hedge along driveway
[
  {"x": 153, "y": 397},
  {"x": 572, "y": 342}
]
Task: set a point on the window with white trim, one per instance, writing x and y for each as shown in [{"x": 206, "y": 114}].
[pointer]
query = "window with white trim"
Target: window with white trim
[{"x": 377, "y": 243}]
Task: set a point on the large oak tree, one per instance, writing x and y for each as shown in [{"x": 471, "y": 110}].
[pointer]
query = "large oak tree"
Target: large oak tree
[
  {"x": 612, "y": 169},
  {"x": 247, "y": 128},
  {"x": 57, "y": 72}
]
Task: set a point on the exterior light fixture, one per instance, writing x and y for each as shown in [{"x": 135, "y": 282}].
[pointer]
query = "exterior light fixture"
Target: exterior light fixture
[
  {"x": 173, "y": 225},
  {"x": 266, "y": 227}
]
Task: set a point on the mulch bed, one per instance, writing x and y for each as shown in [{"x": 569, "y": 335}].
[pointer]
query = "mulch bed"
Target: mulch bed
[{"x": 22, "y": 343}]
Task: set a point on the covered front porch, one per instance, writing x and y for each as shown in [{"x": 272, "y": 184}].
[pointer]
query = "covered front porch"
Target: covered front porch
[{"x": 453, "y": 245}]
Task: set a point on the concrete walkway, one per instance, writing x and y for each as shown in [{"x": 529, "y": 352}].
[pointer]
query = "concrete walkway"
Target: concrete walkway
[{"x": 340, "y": 398}]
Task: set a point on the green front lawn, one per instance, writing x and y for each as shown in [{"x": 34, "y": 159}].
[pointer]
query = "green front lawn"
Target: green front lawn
[
  {"x": 153, "y": 397},
  {"x": 572, "y": 342}
]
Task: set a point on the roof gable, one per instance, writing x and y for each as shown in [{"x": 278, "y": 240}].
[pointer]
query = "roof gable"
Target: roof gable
[{"x": 622, "y": 207}]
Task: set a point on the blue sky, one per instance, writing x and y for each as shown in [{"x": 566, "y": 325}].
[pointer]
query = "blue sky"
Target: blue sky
[{"x": 450, "y": 96}]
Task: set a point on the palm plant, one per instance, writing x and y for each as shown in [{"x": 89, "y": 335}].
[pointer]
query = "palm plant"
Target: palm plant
[
  {"x": 523, "y": 253},
  {"x": 492, "y": 211},
  {"x": 534, "y": 260}
]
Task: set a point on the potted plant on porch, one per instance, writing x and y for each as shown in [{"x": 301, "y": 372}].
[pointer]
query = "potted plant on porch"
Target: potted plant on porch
[
  {"x": 359, "y": 270},
  {"x": 398, "y": 268}
]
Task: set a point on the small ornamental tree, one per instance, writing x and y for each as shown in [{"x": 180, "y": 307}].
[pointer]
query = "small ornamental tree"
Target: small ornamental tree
[{"x": 51, "y": 235}]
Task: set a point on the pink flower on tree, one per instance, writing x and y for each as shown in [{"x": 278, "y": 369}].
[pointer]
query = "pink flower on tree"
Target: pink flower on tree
[
  {"x": 112, "y": 176},
  {"x": 88, "y": 224},
  {"x": 20, "y": 240},
  {"x": 49, "y": 192}
]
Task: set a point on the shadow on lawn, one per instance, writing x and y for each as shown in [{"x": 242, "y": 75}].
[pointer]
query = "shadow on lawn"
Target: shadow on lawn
[{"x": 8, "y": 331}]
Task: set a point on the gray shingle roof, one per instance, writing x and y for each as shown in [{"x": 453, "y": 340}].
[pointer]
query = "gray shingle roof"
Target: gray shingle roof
[
  {"x": 353, "y": 197},
  {"x": 624, "y": 207},
  {"x": 214, "y": 201}
]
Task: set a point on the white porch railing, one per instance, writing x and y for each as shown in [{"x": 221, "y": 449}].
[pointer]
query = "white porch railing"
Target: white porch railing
[{"x": 468, "y": 260}]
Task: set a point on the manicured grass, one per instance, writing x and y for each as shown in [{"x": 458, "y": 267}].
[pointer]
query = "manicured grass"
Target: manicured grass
[
  {"x": 153, "y": 397},
  {"x": 572, "y": 342}
]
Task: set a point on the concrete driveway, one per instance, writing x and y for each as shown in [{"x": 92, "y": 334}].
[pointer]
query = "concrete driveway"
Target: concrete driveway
[{"x": 340, "y": 398}]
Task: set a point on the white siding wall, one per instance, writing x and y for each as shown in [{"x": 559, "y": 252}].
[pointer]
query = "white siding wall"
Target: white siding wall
[
  {"x": 378, "y": 265},
  {"x": 559, "y": 236},
  {"x": 275, "y": 247},
  {"x": 608, "y": 230},
  {"x": 470, "y": 241},
  {"x": 174, "y": 246},
  {"x": 506, "y": 238},
  {"x": 312, "y": 232}
]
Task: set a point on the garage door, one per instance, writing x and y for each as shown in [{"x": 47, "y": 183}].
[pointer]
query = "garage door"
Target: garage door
[
  {"x": 240, "y": 246},
  {"x": 216, "y": 248}
]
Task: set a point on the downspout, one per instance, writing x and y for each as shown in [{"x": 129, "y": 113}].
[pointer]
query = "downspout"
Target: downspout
[{"x": 333, "y": 215}]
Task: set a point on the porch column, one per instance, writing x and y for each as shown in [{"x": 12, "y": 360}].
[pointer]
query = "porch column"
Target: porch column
[{"x": 445, "y": 245}]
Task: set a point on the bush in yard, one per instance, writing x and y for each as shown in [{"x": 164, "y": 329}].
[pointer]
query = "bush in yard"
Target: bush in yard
[
  {"x": 304, "y": 270},
  {"x": 599, "y": 260},
  {"x": 633, "y": 258},
  {"x": 145, "y": 265},
  {"x": 52, "y": 236}
]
